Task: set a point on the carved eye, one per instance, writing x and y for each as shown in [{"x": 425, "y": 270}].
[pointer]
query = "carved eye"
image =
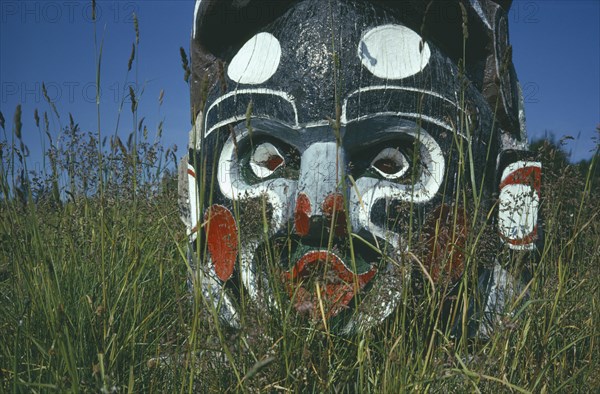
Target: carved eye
[
  {"x": 390, "y": 163},
  {"x": 265, "y": 160}
]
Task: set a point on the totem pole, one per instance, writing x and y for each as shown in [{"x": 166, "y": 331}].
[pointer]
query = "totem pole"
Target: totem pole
[{"x": 343, "y": 151}]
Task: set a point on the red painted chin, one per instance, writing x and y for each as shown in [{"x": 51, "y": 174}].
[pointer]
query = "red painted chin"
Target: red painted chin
[{"x": 323, "y": 270}]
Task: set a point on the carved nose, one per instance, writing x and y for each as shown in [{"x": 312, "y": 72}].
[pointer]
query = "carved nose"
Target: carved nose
[
  {"x": 333, "y": 214},
  {"x": 318, "y": 203}
]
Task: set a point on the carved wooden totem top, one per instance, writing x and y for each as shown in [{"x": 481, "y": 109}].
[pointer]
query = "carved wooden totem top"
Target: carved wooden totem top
[{"x": 344, "y": 150}]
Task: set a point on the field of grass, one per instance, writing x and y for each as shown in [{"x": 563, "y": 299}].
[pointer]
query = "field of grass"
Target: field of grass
[{"x": 94, "y": 295}]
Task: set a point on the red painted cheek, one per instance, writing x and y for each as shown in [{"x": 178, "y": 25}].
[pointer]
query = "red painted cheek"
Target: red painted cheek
[
  {"x": 222, "y": 240},
  {"x": 302, "y": 215},
  {"x": 445, "y": 240}
]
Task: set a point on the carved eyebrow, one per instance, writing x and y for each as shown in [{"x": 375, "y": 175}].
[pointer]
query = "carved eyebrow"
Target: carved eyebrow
[
  {"x": 446, "y": 103},
  {"x": 276, "y": 131},
  {"x": 213, "y": 121}
]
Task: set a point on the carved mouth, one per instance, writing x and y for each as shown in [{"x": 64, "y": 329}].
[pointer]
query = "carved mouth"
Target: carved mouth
[{"x": 321, "y": 285}]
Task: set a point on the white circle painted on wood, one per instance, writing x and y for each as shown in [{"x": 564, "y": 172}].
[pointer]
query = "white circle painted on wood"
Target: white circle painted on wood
[
  {"x": 393, "y": 52},
  {"x": 256, "y": 61}
]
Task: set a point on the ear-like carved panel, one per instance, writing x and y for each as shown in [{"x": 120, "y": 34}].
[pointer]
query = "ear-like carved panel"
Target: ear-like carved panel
[{"x": 519, "y": 201}]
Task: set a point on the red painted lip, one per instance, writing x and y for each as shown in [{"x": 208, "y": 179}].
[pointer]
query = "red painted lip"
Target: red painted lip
[{"x": 337, "y": 284}]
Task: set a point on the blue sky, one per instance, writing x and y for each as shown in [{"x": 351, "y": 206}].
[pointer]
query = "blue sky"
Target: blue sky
[{"x": 556, "y": 52}]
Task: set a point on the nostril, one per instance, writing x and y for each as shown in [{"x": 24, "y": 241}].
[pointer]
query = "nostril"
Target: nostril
[
  {"x": 334, "y": 209},
  {"x": 302, "y": 215},
  {"x": 333, "y": 203}
]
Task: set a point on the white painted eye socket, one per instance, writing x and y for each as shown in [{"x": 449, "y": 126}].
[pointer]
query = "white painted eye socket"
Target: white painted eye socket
[
  {"x": 390, "y": 163},
  {"x": 265, "y": 160}
]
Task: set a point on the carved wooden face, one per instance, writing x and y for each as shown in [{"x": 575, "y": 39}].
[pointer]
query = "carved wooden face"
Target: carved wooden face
[{"x": 335, "y": 144}]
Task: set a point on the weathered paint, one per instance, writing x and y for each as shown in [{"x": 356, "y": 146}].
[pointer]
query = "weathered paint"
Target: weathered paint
[{"x": 335, "y": 129}]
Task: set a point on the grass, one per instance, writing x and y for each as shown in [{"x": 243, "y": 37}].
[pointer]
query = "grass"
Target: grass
[
  {"x": 72, "y": 323},
  {"x": 94, "y": 296}
]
